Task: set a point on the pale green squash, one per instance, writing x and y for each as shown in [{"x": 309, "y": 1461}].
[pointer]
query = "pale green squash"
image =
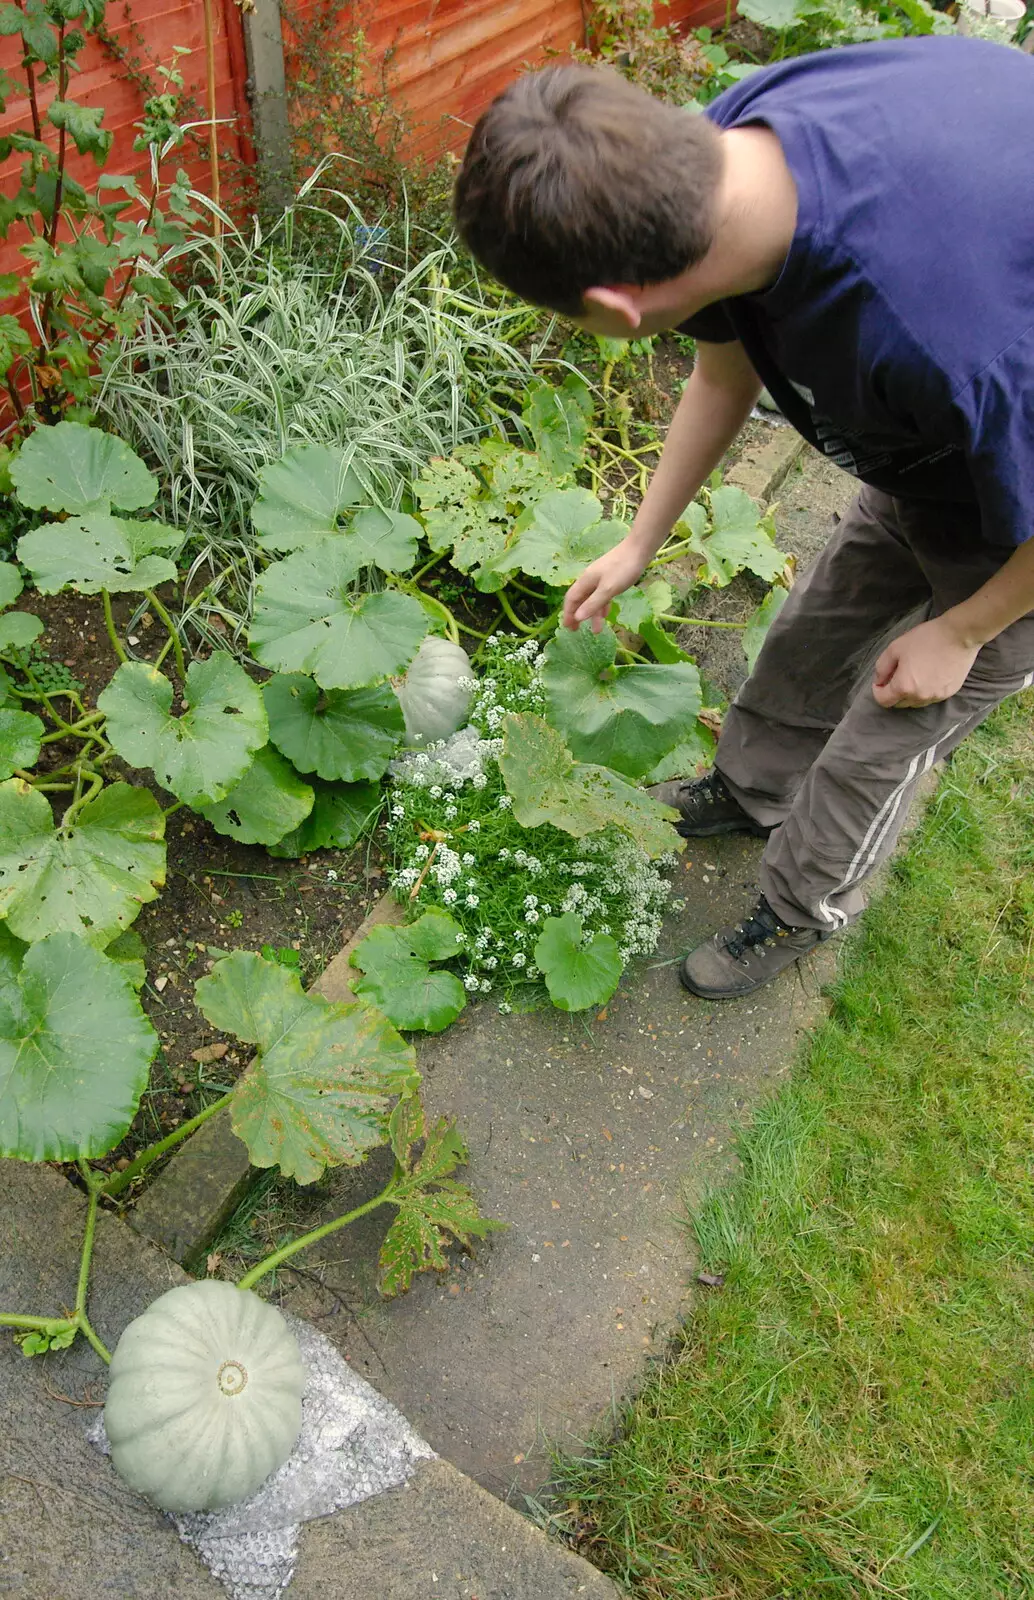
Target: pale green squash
[
  {"x": 433, "y": 701},
  {"x": 204, "y": 1397}
]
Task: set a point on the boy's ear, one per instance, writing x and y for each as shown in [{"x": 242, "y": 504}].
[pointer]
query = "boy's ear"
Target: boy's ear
[{"x": 616, "y": 302}]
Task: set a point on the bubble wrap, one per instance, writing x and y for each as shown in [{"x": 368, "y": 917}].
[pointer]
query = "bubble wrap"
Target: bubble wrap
[{"x": 353, "y": 1444}]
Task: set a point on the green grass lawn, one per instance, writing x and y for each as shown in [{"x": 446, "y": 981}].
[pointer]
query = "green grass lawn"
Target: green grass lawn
[{"x": 852, "y": 1414}]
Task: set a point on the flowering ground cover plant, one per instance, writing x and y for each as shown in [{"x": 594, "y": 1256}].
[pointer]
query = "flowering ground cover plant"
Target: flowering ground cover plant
[{"x": 534, "y": 905}]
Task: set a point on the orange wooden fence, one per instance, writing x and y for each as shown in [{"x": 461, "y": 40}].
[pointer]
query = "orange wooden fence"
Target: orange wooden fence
[{"x": 449, "y": 57}]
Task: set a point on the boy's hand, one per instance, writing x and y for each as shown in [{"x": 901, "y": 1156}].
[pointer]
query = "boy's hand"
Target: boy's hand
[
  {"x": 591, "y": 594},
  {"x": 926, "y": 665}
]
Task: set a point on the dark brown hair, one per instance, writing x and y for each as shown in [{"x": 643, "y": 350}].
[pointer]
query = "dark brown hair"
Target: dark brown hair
[{"x": 575, "y": 178}]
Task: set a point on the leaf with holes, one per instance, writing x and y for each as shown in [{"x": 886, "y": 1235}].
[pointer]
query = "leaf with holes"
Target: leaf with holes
[
  {"x": 433, "y": 1210},
  {"x": 20, "y": 737},
  {"x": 98, "y": 551},
  {"x": 559, "y": 419},
  {"x": 319, "y": 1091},
  {"x": 338, "y": 734},
  {"x": 546, "y": 784},
  {"x": 200, "y": 755},
  {"x": 268, "y": 802},
  {"x": 308, "y": 619},
  {"x": 690, "y": 758},
  {"x": 458, "y": 515},
  {"x": 621, "y": 717},
  {"x": 756, "y": 631},
  {"x": 72, "y": 468},
  {"x": 302, "y": 496},
  {"x": 75, "y": 1049},
  {"x": 741, "y": 537},
  {"x": 90, "y": 878},
  {"x": 398, "y": 978},
  {"x": 341, "y": 812},
  {"x": 559, "y": 536},
  {"x": 579, "y": 972}
]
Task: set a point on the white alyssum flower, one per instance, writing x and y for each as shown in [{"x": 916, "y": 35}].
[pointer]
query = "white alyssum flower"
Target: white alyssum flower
[
  {"x": 471, "y": 984},
  {"x": 472, "y": 901}
]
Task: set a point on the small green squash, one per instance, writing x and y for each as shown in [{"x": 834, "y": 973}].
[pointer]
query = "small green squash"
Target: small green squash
[{"x": 204, "y": 1397}]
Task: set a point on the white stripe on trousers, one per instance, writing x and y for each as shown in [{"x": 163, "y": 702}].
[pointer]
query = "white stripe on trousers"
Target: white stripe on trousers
[{"x": 880, "y": 826}]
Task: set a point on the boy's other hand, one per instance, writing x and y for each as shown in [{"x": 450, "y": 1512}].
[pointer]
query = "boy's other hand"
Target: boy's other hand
[
  {"x": 589, "y": 597},
  {"x": 926, "y": 665}
]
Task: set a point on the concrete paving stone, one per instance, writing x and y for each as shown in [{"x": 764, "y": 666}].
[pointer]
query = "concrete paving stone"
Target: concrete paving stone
[{"x": 440, "y": 1537}]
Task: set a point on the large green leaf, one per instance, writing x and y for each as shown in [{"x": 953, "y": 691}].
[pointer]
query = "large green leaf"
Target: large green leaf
[
  {"x": 621, "y": 717},
  {"x": 398, "y": 978},
  {"x": 74, "y": 1052},
  {"x": 309, "y": 619},
  {"x": 642, "y": 605},
  {"x": 579, "y": 972},
  {"x": 433, "y": 1209},
  {"x": 18, "y": 629},
  {"x": 72, "y": 468},
  {"x": 200, "y": 755},
  {"x": 384, "y": 539},
  {"x": 20, "y": 736},
  {"x": 90, "y": 878},
  {"x": 343, "y": 734},
  {"x": 756, "y": 631},
  {"x": 340, "y": 813},
  {"x": 98, "y": 551},
  {"x": 559, "y": 536},
  {"x": 740, "y": 537},
  {"x": 548, "y": 785},
  {"x": 774, "y": 14},
  {"x": 559, "y": 420},
  {"x": 302, "y": 496},
  {"x": 319, "y": 1091},
  {"x": 10, "y": 584},
  {"x": 269, "y": 801}
]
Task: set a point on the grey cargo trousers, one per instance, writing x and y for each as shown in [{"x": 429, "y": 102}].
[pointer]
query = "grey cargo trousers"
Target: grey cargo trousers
[{"x": 806, "y": 748}]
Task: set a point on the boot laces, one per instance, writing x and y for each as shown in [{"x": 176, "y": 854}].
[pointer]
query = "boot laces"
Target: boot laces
[
  {"x": 759, "y": 929},
  {"x": 710, "y": 789}
]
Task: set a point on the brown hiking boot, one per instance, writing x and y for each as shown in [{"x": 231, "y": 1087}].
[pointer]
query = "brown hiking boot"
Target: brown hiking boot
[
  {"x": 739, "y": 960},
  {"x": 706, "y": 807}
]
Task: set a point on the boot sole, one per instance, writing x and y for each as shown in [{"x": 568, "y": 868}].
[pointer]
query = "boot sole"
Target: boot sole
[{"x": 710, "y": 830}]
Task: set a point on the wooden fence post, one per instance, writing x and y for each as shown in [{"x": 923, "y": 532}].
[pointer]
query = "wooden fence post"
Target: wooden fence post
[{"x": 267, "y": 92}]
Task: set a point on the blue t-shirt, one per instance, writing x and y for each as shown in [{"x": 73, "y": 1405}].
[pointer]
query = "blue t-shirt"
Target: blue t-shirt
[{"x": 899, "y": 336}]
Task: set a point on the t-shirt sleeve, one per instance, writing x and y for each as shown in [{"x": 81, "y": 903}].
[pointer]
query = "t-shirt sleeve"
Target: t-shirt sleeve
[
  {"x": 712, "y": 325},
  {"x": 998, "y": 417}
]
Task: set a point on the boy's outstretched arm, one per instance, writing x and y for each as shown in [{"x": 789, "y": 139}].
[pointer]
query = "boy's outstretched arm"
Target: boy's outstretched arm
[{"x": 714, "y": 406}]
